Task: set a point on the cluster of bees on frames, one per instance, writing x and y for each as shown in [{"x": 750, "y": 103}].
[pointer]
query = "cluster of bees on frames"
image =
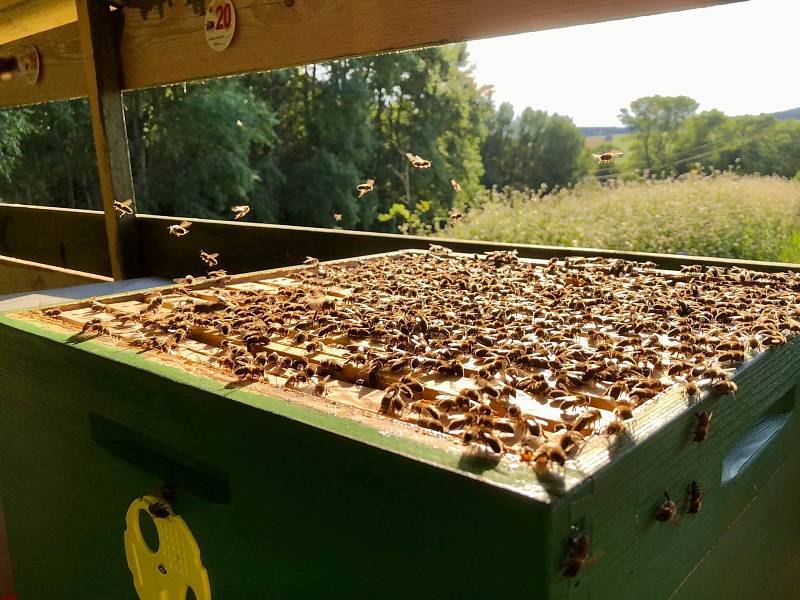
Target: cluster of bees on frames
[{"x": 513, "y": 358}]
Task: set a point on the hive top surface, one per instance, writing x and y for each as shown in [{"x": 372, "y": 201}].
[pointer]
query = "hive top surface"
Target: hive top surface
[{"x": 529, "y": 374}]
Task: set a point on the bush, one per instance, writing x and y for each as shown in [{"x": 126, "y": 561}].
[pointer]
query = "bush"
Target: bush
[{"x": 717, "y": 214}]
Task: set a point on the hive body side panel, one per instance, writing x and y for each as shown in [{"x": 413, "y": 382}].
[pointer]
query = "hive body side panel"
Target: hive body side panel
[
  {"x": 633, "y": 554},
  {"x": 278, "y": 507}
]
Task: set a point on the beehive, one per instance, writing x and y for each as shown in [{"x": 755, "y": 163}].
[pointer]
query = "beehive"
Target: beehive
[{"x": 451, "y": 423}]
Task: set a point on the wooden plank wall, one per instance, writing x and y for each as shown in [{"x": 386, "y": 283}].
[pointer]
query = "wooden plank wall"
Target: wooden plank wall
[
  {"x": 270, "y": 35},
  {"x": 18, "y": 275},
  {"x": 75, "y": 239}
]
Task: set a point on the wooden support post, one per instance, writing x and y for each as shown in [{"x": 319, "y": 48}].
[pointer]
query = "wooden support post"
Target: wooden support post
[{"x": 100, "y": 45}]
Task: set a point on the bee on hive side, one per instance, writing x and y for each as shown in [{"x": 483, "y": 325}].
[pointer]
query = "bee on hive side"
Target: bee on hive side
[
  {"x": 695, "y": 498},
  {"x": 239, "y": 212},
  {"x": 217, "y": 273},
  {"x": 209, "y": 258},
  {"x": 179, "y": 230},
  {"x": 159, "y": 510},
  {"x": 188, "y": 280},
  {"x": 365, "y": 188},
  {"x": 417, "y": 161},
  {"x": 154, "y": 301},
  {"x": 623, "y": 411},
  {"x": 51, "y": 312},
  {"x": 703, "y": 425},
  {"x": 579, "y": 550},
  {"x": 123, "y": 208},
  {"x": 666, "y": 510},
  {"x": 725, "y": 387},
  {"x": 614, "y": 427}
]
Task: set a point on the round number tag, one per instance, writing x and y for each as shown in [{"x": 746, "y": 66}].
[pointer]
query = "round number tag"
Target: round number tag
[{"x": 220, "y": 24}]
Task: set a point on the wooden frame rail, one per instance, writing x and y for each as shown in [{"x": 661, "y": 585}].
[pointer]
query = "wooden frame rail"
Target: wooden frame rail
[{"x": 76, "y": 239}]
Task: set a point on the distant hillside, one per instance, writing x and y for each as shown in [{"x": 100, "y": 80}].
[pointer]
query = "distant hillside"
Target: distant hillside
[
  {"x": 784, "y": 115},
  {"x": 609, "y": 132},
  {"x": 603, "y": 131}
]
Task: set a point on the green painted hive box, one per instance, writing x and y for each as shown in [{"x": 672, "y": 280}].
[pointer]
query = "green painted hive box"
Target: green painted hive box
[{"x": 351, "y": 481}]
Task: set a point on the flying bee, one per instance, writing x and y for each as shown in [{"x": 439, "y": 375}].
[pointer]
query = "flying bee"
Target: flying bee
[
  {"x": 666, "y": 510},
  {"x": 188, "y": 280},
  {"x": 124, "y": 208},
  {"x": 365, "y": 188},
  {"x": 579, "y": 550},
  {"x": 695, "y": 498},
  {"x": 240, "y": 212},
  {"x": 725, "y": 387},
  {"x": 311, "y": 261},
  {"x": 456, "y": 186},
  {"x": 209, "y": 258},
  {"x": 455, "y": 216},
  {"x": 417, "y": 161},
  {"x": 703, "y": 425},
  {"x": 337, "y": 217},
  {"x": 179, "y": 230},
  {"x": 607, "y": 157}
]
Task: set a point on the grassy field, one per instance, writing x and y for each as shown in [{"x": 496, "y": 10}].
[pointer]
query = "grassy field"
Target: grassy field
[{"x": 720, "y": 214}]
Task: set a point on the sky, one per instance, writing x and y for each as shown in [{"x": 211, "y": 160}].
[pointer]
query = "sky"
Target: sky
[{"x": 741, "y": 58}]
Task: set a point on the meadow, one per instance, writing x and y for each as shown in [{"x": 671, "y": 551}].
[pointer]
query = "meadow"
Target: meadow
[{"x": 713, "y": 214}]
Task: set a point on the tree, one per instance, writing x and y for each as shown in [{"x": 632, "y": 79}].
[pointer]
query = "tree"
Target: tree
[
  {"x": 655, "y": 120},
  {"x": 534, "y": 149}
]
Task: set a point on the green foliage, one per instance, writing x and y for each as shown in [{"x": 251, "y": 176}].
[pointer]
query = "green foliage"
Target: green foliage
[
  {"x": 48, "y": 156},
  {"x": 715, "y": 214},
  {"x": 655, "y": 121},
  {"x": 532, "y": 149},
  {"x": 198, "y": 149}
]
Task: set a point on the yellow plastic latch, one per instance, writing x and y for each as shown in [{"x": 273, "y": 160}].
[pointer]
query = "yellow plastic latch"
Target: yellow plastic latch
[{"x": 176, "y": 566}]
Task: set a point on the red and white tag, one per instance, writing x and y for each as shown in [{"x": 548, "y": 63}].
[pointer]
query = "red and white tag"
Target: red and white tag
[{"x": 220, "y": 24}]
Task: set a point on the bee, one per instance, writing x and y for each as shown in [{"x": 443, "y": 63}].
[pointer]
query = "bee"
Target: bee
[
  {"x": 154, "y": 301},
  {"x": 607, "y": 157},
  {"x": 569, "y": 440},
  {"x": 451, "y": 368},
  {"x": 725, "y": 387},
  {"x": 124, "y": 208},
  {"x": 455, "y": 216},
  {"x": 586, "y": 420},
  {"x": 614, "y": 427},
  {"x": 337, "y": 217},
  {"x": 159, "y": 510},
  {"x": 188, "y": 280},
  {"x": 417, "y": 161},
  {"x": 691, "y": 388},
  {"x": 240, "y": 212},
  {"x": 579, "y": 550},
  {"x": 479, "y": 433},
  {"x": 365, "y": 188},
  {"x": 703, "y": 425},
  {"x": 320, "y": 387},
  {"x": 623, "y": 411},
  {"x": 51, "y": 312},
  {"x": 311, "y": 261},
  {"x": 217, "y": 273},
  {"x": 549, "y": 453},
  {"x": 456, "y": 186},
  {"x": 209, "y": 258},
  {"x": 666, "y": 510},
  {"x": 295, "y": 379},
  {"x": 179, "y": 230},
  {"x": 695, "y": 498}
]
